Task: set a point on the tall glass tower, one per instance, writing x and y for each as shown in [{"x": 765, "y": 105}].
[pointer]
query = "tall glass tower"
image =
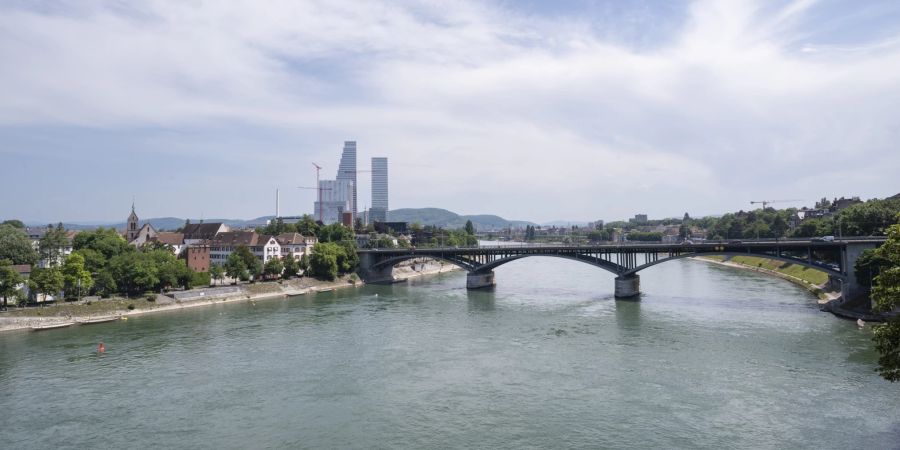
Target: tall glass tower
[
  {"x": 379, "y": 210},
  {"x": 347, "y": 171}
]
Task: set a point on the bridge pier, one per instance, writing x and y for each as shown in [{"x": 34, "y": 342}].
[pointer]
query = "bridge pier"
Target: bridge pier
[
  {"x": 478, "y": 280},
  {"x": 628, "y": 286},
  {"x": 382, "y": 275}
]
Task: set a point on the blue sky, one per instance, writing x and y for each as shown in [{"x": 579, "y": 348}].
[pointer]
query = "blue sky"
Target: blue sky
[{"x": 533, "y": 110}]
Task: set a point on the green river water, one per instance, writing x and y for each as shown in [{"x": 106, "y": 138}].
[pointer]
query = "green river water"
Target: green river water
[{"x": 709, "y": 357}]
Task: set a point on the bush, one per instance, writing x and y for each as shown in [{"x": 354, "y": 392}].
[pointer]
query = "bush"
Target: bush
[
  {"x": 200, "y": 279},
  {"x": 131, "y": 306},
  {"x": 151, "y": 297}
]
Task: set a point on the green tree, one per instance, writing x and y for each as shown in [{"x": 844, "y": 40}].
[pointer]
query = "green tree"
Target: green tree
[
  {"x": 291, "y": 267},
  {"x": 886, "y": 294},
  {"x": 323, "y": 262},
  {"x": 251, "y": 262},
  {"x": 273, "y": 268},
  {"x": 76, "y": 279},
  {"x": 15, "y": 246},
  {"x": 46, "y": 281},
  {"x": 9, "y": 282},
  {"x": 14, "y": 223},
  {"x": 303, "y": 264},
  {"x": 470, "y": 229},
  {"x": 105, "y": 241},
  {"x": 217, "y": 273},
  {"x": 779, "y": 226},
  {"x": 335, "y": 233},
  {"x": 307, "y": 226},
  {"x": 134, "y": 272},
  {"x": 105, "y": 283},
  {"x": 94, "y": 261},
  {"x": 52, "y": 244},
  {"x": 235, "y": 267}
]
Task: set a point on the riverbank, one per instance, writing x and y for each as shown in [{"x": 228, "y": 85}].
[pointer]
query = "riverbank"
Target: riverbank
[
  {"x": 805, "y": 277},
  {"x": 87, "y": 311}
]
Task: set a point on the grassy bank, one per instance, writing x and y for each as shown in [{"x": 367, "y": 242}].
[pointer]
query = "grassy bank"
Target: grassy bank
[{"x": 811, "y": 276}]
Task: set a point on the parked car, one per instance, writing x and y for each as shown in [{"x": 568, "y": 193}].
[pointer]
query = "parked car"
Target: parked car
[
  {"x": 823, "y": 239},
  {"x": 735, "y": 242}
]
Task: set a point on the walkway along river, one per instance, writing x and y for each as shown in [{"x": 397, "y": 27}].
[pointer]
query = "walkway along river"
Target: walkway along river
[{"x": 709, "y": 357}]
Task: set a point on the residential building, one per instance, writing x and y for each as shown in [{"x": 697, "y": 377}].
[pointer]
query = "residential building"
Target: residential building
[
  {"x": 347, "y": 172},
  {"x": 174, "y": 240},
  {"x": 295, "y": 244},
  {"x": 379, "y": 209},
  {"x": 224, "y": 244},
  {"x": 195, "y": 233}
]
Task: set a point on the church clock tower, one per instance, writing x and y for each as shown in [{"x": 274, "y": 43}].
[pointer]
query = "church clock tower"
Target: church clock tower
[{"x": 131, "y": 229}]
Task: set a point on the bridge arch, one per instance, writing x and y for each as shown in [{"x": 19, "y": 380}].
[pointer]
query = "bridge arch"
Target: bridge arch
[
  {"x": 597, "y": 262},
  {"x": 799, "y": 262},
  {"x": 393, "y": 261}
]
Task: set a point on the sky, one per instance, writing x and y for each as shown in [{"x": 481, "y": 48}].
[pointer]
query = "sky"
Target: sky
[{"x": 532, "y": 110}]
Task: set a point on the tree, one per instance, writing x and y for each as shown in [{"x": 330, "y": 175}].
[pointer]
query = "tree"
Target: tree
[
  {"x": 470, "y": 229},
  {"x": 273, "y": 268},
  {"x": 307, "y": 226},
  {"x": 46, "y": 281},
  {"x": 14, "y": 223},
  {"x": 216, "y": 272},
  {"x": 9, "y": 283},
  {"x": 15, "y": 246},
  {"x": 53, "y": 243},
  {"x": 134, "y": 272},
  {"x": 105, "y": 241},
  {"x": 886, "y": 294},
  {"x": 76, "y": 279},
  {"x": 779, "y": 226},
  {"x": 323, "y": 263},
  {"x": 251, "y": 262},
  {"x": 104, "y": 283},
  {"x": 335, "y": 233},
  {"x": 291, "y": 267},
  {"x": 235, "y": 267},
  {"x": 303, "y": 264}
]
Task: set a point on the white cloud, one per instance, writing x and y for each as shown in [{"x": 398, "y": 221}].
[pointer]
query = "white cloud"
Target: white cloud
[{"x": 509, "y": 113}]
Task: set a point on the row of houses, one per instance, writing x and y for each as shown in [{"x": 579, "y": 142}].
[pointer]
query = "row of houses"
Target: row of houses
[{"x": 205, "y": 244}]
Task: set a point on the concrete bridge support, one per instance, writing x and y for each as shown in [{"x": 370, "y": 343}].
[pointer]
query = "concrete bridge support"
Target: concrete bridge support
[
  {"x": 478, "y": 280},
  {"x": 628, "y": 286},
  {"x": 370, "y": 275}
]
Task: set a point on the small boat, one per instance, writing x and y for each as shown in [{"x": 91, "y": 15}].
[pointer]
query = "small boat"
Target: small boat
[
  {"x": 860, "y": 323},
  {"x": 99, "y": 320},
  {"x": 51, "y": 326}
]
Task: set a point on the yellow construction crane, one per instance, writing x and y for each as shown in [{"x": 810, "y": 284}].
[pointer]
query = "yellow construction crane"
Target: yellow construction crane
[{"x": 767, "y": 202}]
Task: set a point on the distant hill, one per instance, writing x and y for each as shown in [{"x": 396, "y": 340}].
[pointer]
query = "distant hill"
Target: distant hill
[
  {"x": 160, "y": 223},
  {"x": 448, "y": 219}
]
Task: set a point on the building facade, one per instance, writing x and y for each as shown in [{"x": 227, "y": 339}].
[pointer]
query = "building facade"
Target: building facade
[
  {"x": 347, "y": 171},
  {"x": 379, "y": 209},
  {"x": 337, "y": 198}
]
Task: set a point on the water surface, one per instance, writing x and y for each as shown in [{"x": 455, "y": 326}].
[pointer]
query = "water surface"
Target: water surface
[{"x": 710, "y": 357}]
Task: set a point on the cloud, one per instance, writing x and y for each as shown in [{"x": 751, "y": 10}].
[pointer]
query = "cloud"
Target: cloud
[{"x": 503, "y": 110}]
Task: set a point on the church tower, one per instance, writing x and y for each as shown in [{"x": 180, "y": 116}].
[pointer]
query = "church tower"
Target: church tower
[{"x": 131, "y": 229}]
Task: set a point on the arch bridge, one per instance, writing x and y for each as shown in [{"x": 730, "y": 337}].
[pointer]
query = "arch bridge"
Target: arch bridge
[{"x": 836, "y": 258}]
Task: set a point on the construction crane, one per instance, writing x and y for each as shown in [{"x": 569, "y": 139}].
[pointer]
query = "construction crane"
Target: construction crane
[
  {"x": 318, "y": 188},
  {"x": 765, "y": 203}
]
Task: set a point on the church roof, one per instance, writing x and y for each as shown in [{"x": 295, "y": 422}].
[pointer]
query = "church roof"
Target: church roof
[{"x": 169, "y": 238}]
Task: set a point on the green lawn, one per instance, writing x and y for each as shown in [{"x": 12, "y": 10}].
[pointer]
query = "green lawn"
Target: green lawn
[{"x": 811, "y": 276}]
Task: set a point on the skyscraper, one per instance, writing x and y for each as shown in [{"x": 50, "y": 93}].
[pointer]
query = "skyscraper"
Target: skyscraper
[
  {"x": 336, "y": 196},
  {"x": 347, "y": 171},
  {"x": 379, "y": 210}
]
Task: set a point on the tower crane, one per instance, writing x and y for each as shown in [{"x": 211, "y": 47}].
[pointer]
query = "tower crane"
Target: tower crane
[{"x": 765, "y": 203}]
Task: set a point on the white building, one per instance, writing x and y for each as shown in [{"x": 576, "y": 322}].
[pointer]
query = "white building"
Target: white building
[{"x": 295, "y": 244}]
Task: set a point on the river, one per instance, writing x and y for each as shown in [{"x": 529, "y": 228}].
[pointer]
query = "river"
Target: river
[{"x": 709, "y": 357}]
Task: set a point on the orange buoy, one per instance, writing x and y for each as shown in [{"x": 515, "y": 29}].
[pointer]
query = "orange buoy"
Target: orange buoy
[{"x": 101, "y": 348}]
